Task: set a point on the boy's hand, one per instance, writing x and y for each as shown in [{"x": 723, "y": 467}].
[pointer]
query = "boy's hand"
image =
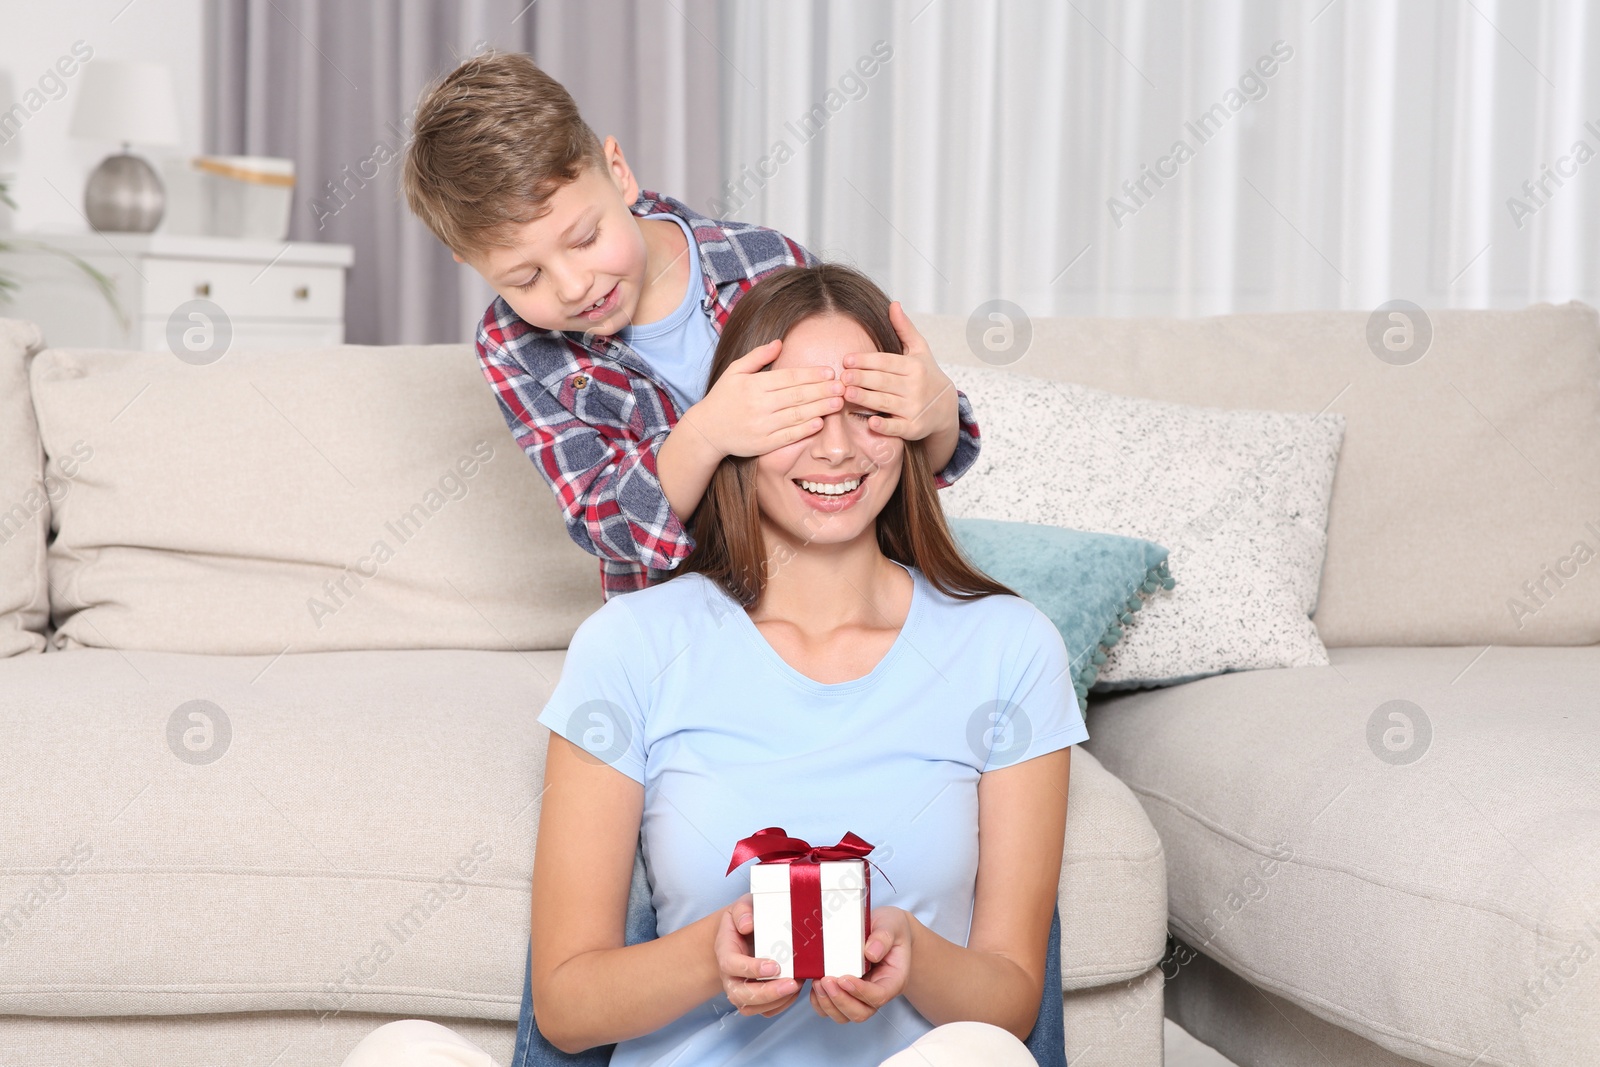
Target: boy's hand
[
  {"x": 917, "y": 399},
  {"x": 749, "y": 412}
]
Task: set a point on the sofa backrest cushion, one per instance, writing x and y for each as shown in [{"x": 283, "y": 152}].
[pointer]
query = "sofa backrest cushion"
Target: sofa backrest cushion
[
  {"x": 1466, "y": 505},
  {"x": 24, "y": 498},
  {"x": 347, "y": 497}
]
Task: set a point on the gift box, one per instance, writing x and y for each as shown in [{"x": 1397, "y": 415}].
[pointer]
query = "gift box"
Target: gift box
[{"x": 812, "y": 904}]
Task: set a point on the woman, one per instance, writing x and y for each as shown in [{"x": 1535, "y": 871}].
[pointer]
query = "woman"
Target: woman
[{"x": 824, "y": 661}]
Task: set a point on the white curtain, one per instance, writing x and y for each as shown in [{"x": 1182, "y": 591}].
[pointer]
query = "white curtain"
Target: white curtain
[
  {"x": 332, "y": 85},
  {"x": 1439, "y": 151}
]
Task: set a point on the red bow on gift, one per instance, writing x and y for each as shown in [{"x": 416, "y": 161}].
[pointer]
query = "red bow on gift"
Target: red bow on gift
[{"x": 774, "y": 845}]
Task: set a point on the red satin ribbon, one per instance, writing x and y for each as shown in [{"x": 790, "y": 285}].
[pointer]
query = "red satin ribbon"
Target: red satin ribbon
[{"x": 774, "y": 845}]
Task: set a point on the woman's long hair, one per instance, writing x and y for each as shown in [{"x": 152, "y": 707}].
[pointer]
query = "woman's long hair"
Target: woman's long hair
[{"x": 729, "y": 547}]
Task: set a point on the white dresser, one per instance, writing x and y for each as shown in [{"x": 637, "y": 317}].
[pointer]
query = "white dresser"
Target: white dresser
[{"x": 247, "y": 294}]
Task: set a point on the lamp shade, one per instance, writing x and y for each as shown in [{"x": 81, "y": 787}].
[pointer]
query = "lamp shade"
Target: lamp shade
[{"x": 126, "y": 101}]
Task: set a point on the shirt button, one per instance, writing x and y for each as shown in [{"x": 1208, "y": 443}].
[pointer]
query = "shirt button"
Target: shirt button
[{"x": 579, "y": 381}]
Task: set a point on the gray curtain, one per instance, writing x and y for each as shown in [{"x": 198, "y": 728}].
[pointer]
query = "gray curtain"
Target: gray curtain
[{"x": 333, "y": 85}]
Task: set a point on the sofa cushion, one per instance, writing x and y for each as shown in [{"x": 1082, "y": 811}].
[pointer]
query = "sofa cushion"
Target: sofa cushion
[
  {"x": 24, "y": 498},
  {"x": 1247, "y": 1024},
  {"x": 346, "y": 831},
  {"x": 348, "y": 497},
  {"x": 1088, "y": 584},
  {"x": 1463, "y": 474},
  {"x": 1244, "y": 514},
  {"x": 245, "y": 1039},
  {"x": 1112, "y": 1025},
  {"x": 1402, "y": 842}
]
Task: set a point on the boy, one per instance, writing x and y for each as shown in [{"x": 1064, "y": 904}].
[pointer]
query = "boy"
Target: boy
[{"x": 610, "y": 303}]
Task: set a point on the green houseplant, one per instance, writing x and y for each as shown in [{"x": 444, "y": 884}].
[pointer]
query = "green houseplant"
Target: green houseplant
[{"x": 10, "y": 283}]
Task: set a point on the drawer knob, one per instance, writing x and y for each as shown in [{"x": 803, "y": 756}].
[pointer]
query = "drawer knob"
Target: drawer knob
[
  {"x": 303, "y": 293},
  {"x": 203, "y": 289}
]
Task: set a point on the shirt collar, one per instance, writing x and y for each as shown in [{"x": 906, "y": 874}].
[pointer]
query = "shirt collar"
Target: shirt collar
[{"x": 650, "y": 203}]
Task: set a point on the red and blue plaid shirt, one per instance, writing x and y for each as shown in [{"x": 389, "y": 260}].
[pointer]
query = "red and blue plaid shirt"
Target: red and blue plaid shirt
[{"x": 589, "y": 413}]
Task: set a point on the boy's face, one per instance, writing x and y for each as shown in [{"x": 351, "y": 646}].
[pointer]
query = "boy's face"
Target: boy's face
[{"x": 586, "y": 247}]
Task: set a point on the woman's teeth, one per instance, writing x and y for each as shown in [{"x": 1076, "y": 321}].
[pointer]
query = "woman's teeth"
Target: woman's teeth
[{"x": 830, "y": 488}]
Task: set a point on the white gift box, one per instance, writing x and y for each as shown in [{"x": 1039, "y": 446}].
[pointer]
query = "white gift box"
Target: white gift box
[{"x": 843, "y": 918}]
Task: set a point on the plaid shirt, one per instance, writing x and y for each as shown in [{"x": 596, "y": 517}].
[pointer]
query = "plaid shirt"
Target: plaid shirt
[{"x": 589, "y": 413}]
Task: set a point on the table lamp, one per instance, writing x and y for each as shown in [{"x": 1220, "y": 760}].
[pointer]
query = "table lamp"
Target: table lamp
[{"x": 127, "y": 102}]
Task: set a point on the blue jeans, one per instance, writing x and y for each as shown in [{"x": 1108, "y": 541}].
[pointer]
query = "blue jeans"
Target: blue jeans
[{"x": 1047, "y": 1041}]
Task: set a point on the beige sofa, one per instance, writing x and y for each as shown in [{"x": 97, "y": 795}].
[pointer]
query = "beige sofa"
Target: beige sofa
[
  {"x": 275, "y": 632},
  {"x": 361, "y": 849},
  {"x": 1350, "y": 889}
]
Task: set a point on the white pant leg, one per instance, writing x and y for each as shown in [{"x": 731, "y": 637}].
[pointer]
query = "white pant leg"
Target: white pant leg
[
  {"x": 964, "y": 1044},
  {"x": 417, "y": 1043}
]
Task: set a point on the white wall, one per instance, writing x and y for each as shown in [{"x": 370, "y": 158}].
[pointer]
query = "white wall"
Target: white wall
[{"x": 48, "y": 168}]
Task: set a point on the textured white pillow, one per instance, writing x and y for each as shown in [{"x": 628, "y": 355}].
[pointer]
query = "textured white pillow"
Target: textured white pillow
[{"x": 1239, "y": 498}]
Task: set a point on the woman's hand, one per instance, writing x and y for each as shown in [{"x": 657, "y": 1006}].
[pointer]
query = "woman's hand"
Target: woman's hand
[
  {"x": 741, "y": 971},
  {"x": 852, "y": 1000}
]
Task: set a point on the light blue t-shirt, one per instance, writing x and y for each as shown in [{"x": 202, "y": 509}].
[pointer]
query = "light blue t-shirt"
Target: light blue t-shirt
[
  {"x": 679, "y": 347},
  {"x": 675, "y": 687}
]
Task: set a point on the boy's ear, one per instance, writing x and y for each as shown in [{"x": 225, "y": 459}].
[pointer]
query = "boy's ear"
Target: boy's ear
[
  {"x": 618, "y": 171},
  {"x": 457, "y": 257}
]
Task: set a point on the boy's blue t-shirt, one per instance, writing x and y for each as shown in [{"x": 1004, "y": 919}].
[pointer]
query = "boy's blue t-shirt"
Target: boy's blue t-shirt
[
  {"x": 675, "y": 687},
  {"x": 679, "y": 347}
]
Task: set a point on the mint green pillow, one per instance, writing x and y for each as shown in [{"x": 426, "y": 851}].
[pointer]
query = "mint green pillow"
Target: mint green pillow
[{"x": 1088, "y": 584}]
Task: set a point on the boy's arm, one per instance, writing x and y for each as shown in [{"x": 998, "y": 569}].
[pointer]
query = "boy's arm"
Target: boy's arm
[
  {"x": 685, "y": 463},
  {"x": 604, "y": 479},
  {"x": 964, "y": 451}
]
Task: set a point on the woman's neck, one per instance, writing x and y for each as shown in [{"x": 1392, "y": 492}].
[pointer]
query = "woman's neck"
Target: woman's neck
[{"x": 821, "y": 588}]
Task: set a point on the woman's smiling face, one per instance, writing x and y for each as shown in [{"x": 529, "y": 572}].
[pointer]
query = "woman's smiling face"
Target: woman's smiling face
[{"x": 829, "y": 487}]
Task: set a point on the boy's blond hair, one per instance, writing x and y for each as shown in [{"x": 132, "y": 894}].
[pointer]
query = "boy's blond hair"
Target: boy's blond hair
[{"x": 490, "y": 144}]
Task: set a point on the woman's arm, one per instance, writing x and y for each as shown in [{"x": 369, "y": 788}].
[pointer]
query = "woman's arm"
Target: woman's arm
[
  {"x": 998, "y": 977},
  {"x": 589, "y": 987}
]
